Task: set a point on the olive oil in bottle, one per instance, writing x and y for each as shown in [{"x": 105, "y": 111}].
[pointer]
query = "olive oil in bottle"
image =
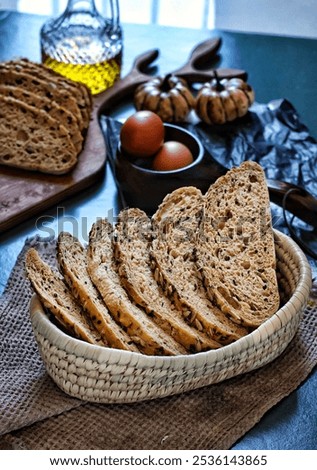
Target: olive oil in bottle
[{"x": 83, "y": 45}]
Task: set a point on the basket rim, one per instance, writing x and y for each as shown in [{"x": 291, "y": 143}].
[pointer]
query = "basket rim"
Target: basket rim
[{"x": 73, "y": 346}]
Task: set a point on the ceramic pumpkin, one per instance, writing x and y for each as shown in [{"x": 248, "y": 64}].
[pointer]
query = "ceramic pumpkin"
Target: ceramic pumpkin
[
  {"x": 167, "y": 96},
  {"x": 221, "y": 101}
]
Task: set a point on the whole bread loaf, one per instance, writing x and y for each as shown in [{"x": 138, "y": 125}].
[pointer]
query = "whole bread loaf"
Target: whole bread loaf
[
  {"x": 235, "y": 246},
  {"x": 132, "y": 253},
  {"x": 150, "y": 338},
  {"x": 72, "y": 261},
  {"x": 57, "y": 298},
  {"x": 175, "y": 224},
  {"x": 31, "y": 139}
]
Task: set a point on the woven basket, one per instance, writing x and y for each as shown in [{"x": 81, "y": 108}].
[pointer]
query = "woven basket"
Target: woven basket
[{"x": 96, "y": 374}]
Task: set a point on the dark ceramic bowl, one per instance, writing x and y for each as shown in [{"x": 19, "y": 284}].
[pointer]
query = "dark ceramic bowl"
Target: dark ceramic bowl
[{"x": 145, "y": 188}]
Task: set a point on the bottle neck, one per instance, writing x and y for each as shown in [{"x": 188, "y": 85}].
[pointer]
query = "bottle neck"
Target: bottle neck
[
  {"x": 85, "y": 6},
  {"x": 88, "y": 6}
]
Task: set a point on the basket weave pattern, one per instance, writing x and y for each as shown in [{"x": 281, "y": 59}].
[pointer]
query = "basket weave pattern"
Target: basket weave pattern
[{"x": 104, "y": 375}]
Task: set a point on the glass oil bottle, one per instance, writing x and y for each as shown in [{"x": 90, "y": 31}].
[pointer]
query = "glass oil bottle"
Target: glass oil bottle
[{"x": 83, "y": 45}]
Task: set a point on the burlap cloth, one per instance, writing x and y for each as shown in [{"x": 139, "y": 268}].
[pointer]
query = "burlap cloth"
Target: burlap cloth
[{"x": 35, "y": 414}]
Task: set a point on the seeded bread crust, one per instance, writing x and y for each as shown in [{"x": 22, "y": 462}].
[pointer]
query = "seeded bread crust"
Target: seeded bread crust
[
  {"x": 47, "y": 88},
  {"x": 235, "y": 247},
  {"x": 151, "y": 340},
  {"x": 72, "y": 261},
  {"x": 53, "y": 109},
  {"x": 37, "y": 141},
  {"x": 131, "y": 247},
  {"x": 56, "y": 297},
  {"x": 175, "y": 224},
  {"x": 78, "y": 90}
]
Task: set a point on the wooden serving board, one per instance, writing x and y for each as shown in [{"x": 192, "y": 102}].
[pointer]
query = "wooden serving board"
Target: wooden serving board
[{"x": 24, "y": 194}]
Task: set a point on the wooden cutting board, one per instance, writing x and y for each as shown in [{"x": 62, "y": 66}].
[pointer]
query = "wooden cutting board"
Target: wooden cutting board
[{"x": 24, "y": 194}]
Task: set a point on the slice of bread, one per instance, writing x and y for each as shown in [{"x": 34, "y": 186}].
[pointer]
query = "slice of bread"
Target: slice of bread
[
  {"x": 57, "y": 112},
  {"x": 50, "y": 89},
  {"x": 235, "y": 246},
  {"x": 78, "y": 90},
  {"x": 132, "y": 253},
  {"x": 56, "y": 297},
  {"x": 33, "y": 140},
  {"x": 176, "y": 223},
  {"x": 72, "y": 261},
  {"x": 149, "y": 337}
]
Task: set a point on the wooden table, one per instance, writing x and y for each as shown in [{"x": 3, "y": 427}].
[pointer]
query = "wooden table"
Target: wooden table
[{"x": 278, "y": 67}]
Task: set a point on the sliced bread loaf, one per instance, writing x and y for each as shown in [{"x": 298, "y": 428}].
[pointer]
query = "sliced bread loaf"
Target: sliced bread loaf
[
  {"x": 72, "y": 261},
  {"x": 235, "y": 246},
  {"x": 57, "y": 112},
  {"x": 31, "y": 139},
  {"x": 176, "y": 223},
  {"x": 50, "y": 89},
  {"x": 56, "y": 297},
  {"x": 145, "y": 333},
  {"x": 78, "y": 90},
  {"x": 132, "y": 253}
]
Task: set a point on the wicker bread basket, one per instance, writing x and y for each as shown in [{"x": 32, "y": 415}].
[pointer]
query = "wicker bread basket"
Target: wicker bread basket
[{"x": 97, "y": 374}]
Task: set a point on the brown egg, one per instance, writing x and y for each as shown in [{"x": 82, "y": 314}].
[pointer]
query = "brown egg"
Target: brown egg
[
  {"x": 142, "y": 134},
  {"x": 172, "y": 156}
]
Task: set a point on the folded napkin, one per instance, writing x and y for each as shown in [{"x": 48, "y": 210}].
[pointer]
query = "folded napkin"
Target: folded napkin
[{"x": 35, "y": 414}]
